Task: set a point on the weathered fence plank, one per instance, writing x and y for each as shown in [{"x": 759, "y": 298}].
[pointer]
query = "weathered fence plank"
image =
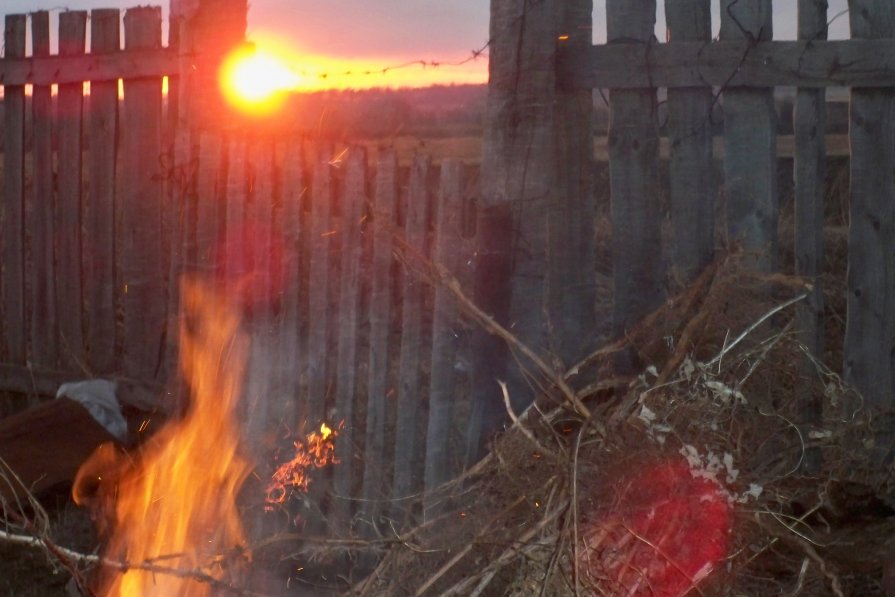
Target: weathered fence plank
[
  {"x": 353, "y": 208},
  {"x": 408, "y": 466},
  {"x": 870, "y": 329},
  {"x": 143, "y": 275},
  {"x": 691, "y": 161},
  {"x": 818, "y": 63},
  {"x": 319, "y": 281},
  {"x": 750, "y": 146},
  {"x": 12, "y": 209},
  {"x": 261, "y": 220},
  {"x": 209, "y": 208},
  {"x": 570, "y": 293},
  {"x": 99, "y": 224},
  {"x": 138, "y": 64},
  {"x": 446, "y": 331},
  {"x": 633, "y": 178},
  {"x": 43, "y": 322},
  {"x": 294, "y": 307},
  {"x": 70, "y": 107},
  {"x": 375, "y": 458},
  {"x": 809, "y": 173},
  {"x": 237, "y": 197}
]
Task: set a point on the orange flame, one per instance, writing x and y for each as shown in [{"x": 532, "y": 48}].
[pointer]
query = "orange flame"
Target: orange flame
[
  {"x": 177, "y": 507},
  {"x": 317, "y": 451}
]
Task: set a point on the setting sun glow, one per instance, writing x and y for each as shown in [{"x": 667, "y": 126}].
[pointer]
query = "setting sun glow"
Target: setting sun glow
[{"x": 255, "y": 80}]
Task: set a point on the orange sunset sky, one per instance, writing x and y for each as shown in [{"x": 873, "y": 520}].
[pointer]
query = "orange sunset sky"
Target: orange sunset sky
[{"x": 348, "y": 43}]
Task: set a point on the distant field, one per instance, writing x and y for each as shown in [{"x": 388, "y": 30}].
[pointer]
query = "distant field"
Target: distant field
[{"x": 469, "y": 149}]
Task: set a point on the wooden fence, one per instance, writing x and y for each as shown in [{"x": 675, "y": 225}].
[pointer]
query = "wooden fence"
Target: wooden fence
[
  {"x": 97, "y": 226},
  {"x": 139, "y": 190},
  {"x": 543, "y": 70}
]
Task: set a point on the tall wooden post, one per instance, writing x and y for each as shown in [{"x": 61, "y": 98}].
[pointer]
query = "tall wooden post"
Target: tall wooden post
[
  {"x": 691, "y": 160},
  {"x": 750, "y": 144},
  {"x": 870, "y": 331},
  {"x": 535, "y": 223},
  {"x": 634, "y": 181},
  {"x": 809, "y": 121}
]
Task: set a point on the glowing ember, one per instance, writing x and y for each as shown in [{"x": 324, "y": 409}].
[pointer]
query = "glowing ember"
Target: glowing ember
[
  {"x": 315, "y": 451},
  {"x": 668, "y": 532},
  {"x": 176, "y": 507}
]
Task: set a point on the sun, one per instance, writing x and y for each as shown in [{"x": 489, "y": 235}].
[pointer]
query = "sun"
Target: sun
[{"x": 255, "y": 80}]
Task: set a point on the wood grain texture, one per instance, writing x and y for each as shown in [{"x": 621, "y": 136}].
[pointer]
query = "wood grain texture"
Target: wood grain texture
[
  {"x": 731, "y": 62},
  {"x": 99, "y": 214},
  {"x": 319, "y": 282},
  {"x": 210, "y": 207},
  {"x": 809, "y": 174},
  {"x": 42, "y": 303},
  {"x": 294, "y": 307},
  {"x": 691, "y": 156},
  {"x": 408, "y": 459},
  {"x": 12, "y": 208},
  {"x": 870, "y": 329},
  {"x": 155, "y": 62},
  {"x": 70, "y": 108},
  {"x": 633, "y": 177},
  {"x": 143, "y": 275},
  {"x": 750, "y": 147},
  {"x": 385, "y": 202},
  {"x": 354, "y": 199},
  {"x": 570, "y": 293},
  {"x": 447, "y": 330}
]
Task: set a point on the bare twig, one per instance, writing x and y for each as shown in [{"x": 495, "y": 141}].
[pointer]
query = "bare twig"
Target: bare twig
[{"x": 742, "y": 336}]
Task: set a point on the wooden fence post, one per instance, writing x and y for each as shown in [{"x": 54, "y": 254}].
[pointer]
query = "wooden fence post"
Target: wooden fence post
[
  {"x": 750, "y": 144},
  {"x": 408, "y": 469},
  {"x": 140, "y": 201},
  {"x": 446, "y": 332},
  {"x": 535, "y": 259},
  {"x": 99, "y": 254},
  {"x": 870, "y": 330},
  {"x": 12, "y": 208},
  {"x": 375, "y": 457},
  {"x": 691, "y": 161},
  {"x": 70, "y": 102},
  {"x": 571, "y": 244},
  {"x": 809, "y": 170},
  {"x": 353, "y": 208},
  {"x": 43, "y": 320},
  {"x": 634, "y": 180}
]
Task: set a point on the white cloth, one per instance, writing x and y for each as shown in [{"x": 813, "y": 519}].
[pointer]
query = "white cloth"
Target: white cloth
[{"x": 98, "y": 397}]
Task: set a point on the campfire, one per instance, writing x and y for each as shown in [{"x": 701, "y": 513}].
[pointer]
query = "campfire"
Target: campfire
[
  {"x": 170, "y": 512},
  {"x": 175, "y": 504}
]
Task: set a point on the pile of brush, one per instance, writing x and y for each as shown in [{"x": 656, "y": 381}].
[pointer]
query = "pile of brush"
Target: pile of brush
[{"x": 735, "y": 462}]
